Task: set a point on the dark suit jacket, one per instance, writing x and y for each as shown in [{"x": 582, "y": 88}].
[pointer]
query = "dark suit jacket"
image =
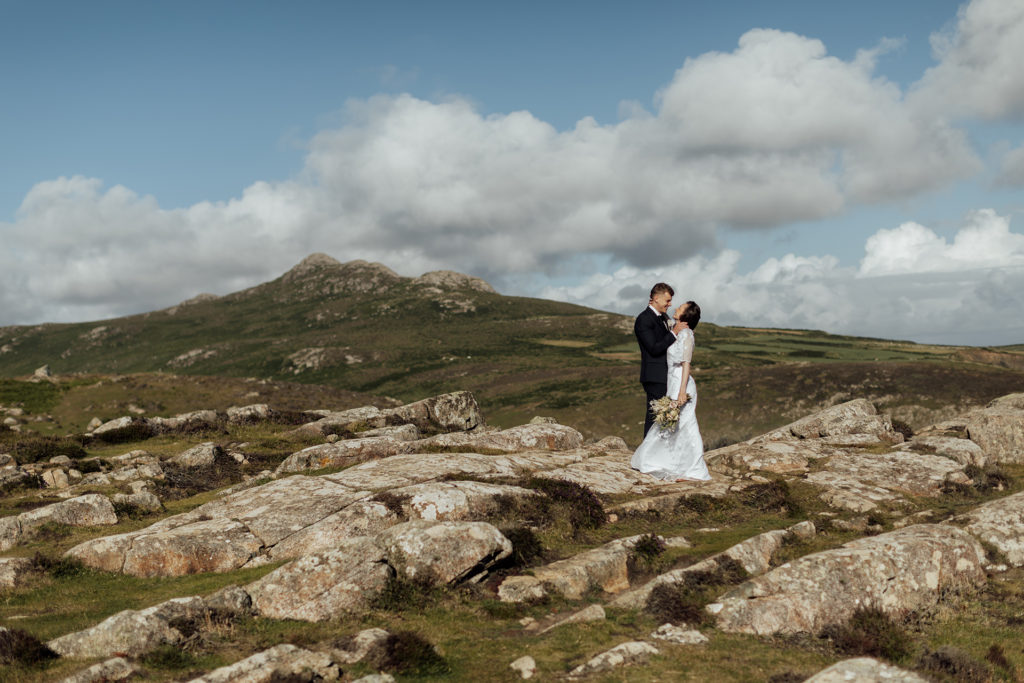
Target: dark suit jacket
[{"x": 654, "y": 340}]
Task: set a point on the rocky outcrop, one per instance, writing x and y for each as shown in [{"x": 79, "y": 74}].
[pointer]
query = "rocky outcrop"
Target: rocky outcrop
[
  {"x": 963, "y": 451},
  {"x": 864, "y": 669},
  {"x": 857, "y": 417},
  {"x": 279, "y": 663},
  {"x": 322, "y": 585},
  {"x": 999, "y": 428},
  {"x": 89, "y": 510},
  {"x": 115, "y": 669},
  {"x": 1001, "y": 523},
  {"x": 604, "y": 567},
  {"x": 620, "y": 655},
  {"x": 13, "y": 571},
  {"x": 899, "y": 571},
  {"x": 457, "y": 411},
  {"x": 131, "y": 633}
]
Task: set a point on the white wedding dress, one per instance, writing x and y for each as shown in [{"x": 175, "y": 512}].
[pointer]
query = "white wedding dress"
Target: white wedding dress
[{"x": 676, "y": 453}]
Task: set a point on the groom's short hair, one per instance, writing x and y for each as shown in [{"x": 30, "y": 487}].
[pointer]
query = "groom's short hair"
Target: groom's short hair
[{"x": 661, "y": 287}]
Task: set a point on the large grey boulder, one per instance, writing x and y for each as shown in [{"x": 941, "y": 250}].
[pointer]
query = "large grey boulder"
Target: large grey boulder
[
  {"x": 999, "y": 428},
  {"x": 342, "y": 453},
  {"x": 865, "y": 670},
  {"x": 857, "y": 417},
  {"x": 364, "y": 517},
  {"x": 444, "y": 552},
  {"x": 279, "y": 663},
  {"x": 216, "y": 545},
  {"x": 455, "y": 500},
  {"x": 457, "y": 411},
  {"x": 902, "y": 570},
  {"x": 323, "y": 585},
  {"x": 131, "y": 633},
  {"x": 89, "y": 510},
  {"x": 1001, "y": 523}
]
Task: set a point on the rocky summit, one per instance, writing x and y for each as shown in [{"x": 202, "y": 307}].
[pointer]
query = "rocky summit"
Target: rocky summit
[{"x": 416, "y": 540}]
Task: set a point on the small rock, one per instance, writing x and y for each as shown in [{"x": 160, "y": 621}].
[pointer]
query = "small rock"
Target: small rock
[
  {"x": 231, "y": 600},
  {"x": 93, "y": 424},
  {"x": 620, "y": 655},
  {"x": 57, "y": 479},
  {"x": 679, "y": 634},
  {"x": 43, "y": 372},
  {"x": 116, "y": 669},
  {"x": 368, "y": 644},
  {"x": 594, "y": 612},
  {"x": 376, "y": 678},
  {"x": 524, "y": 666},
  {"x": 538, "y": 420},
  {"x": 143, "y": 500},
  {"x": 60, "y": 460},
  {"x": 864, "y": 669},
  {"x": 199, "y": 456}
]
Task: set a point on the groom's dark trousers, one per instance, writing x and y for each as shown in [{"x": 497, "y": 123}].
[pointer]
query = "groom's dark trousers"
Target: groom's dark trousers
[{"x": 654, "y": 338}]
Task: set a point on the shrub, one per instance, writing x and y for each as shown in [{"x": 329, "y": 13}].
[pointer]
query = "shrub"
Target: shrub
[
  {"x": 585, "y": 509},
  {"x": 955, "y": 662},
  {"x": 870, "y": 632},
  {"x": 645, "y": 555},
  {"x": 901, "y": 427},
  {"x": 677, "y": 603},
  {"x": 409, "y": 654},
  {"x": 996, "y": 655},
  {"x": 990, "y": 478},
  {"x": 27, "y": 449},
  {"x": 169, "y": 657},
  {"x": 401, "y": 593},
  {"x": 395, "y": 502},
  {"x": 59, "y": 567},
  {"x": 21, "y": 647},
  {"x": 772, "y": 496},
  {"x": 182, "y": 482},
  {"x": 526, "y": 547},
  {"x": 702, "y": 504}
]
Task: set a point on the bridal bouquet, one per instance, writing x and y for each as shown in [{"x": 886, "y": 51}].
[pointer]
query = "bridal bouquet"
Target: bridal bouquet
[{"x": 666, "y": 412}]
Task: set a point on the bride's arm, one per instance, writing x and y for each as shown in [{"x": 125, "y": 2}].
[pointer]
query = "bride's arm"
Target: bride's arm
[{"x": 686, "y": 340}]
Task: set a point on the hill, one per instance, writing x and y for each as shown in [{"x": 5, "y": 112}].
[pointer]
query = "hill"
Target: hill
[{"x": 361, "y": 328}]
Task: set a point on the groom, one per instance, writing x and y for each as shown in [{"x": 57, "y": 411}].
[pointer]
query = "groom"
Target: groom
[{"x": 655, "y": 333}]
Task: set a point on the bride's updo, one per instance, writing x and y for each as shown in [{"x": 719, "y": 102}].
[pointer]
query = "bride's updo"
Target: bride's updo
[{"x": 690, "y": 314}]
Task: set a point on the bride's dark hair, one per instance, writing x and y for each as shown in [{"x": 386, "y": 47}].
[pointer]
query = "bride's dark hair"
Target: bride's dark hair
[{"x": 690, "y": 314}]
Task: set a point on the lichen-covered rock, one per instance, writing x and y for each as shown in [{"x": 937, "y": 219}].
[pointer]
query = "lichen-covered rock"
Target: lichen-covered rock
[
  {"x": 457, "y": 411},
  {"x": 131, "y": 633},
  {"x": 13, "y": 571},
  {"x": 115, "y": 669},
  {"x": 588, "y": 614},
  {"x": 323, "y": 585},
  {"x": 963, "y": 451},
  {"x": 902, "y": 570},
  {"x": 604, "y": 567},
  {"x": 620, "y": 655},
  {"x": 342, "y": 453},
  {"x": 1001, "y": 523},
  {"x": 865, "y": 670},
  {"x": 203, "y": 455},
  {"x": 10, "y": 532},
  {"x": 553, "y": 437},
  {"x": 89, "y": 510},
  {"x": 216, "y": 545},
  {"x": 368, "y": 643},
  {"x": 455, "y": 500},
  {"x": 144, "y": 500},
  {"x": 679, "y": 634},
  {"x": 444, "y": 552},
  {"x": 197, "y": 419},
  {"x": 256, "y": 412},
  {"x": 283, "y": 662},
  {"x": 854, "y": 417},
  {"x": 999, "y": 428},
  {"x": 859, "y": 481}
]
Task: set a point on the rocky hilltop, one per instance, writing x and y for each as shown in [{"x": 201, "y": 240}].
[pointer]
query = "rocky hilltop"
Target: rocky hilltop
[{"x": 257, "y": 545}]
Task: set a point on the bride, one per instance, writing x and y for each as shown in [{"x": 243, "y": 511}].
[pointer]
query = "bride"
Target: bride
[{"x": 677, "y": 454}]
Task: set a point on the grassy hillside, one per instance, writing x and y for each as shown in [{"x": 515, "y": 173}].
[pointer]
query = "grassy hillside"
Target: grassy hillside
[{"x": 361, "y": 329}]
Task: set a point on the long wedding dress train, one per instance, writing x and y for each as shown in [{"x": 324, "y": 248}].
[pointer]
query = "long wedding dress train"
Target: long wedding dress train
[{"x": 675, "y": 453}]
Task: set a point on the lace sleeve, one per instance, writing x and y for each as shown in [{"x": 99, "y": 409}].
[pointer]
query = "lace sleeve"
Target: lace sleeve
[{"x": 686, "y": 344}]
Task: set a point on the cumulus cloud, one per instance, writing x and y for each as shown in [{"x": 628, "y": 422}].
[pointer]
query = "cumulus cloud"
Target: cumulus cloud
[
  {"x": 1011, "y": 172},
  {"x": 978, "y": 71},
  {"x": 774, "y": 132},
  {"x": 911, "y": 284}
]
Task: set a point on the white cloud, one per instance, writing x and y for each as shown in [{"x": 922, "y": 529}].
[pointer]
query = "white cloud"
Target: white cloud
[
  {"x": 776, "y": 131},
  {"x": 1011, "y": 172},
  {"x": 960, "y": 292},
  {"x": 978, "y": 71}
]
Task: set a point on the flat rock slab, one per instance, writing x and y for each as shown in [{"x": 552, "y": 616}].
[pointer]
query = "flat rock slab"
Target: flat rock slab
[
  {"x": 907, "y": 569},
  {"x": 455, "y": 500},
  {"x": 279, "y": 663},
  {"x": 999, "y": 428},
  {"x": 89, "y": 510},
  {"x": 443, "y": 552},
  {"x": 859, "y": 481},
  {"x": 865, "y": 670},
  {"x": 853, "y": 417},
  {"x": 1001, "y": 523},
  {"x": 457, "y": 411},
  {"x": 620, "y": 655},
  {"x": 964, "y": 451},
  {"x": 115, "y": 669},
  {"x": 604, "y": 567},
  {"x": 217, "y": 545},
  {"x": 323, "y": 585},
  {"x": 130, "y": 633}
]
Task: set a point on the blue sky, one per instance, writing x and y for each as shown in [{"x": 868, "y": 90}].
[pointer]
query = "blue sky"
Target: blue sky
[{"x": 771, "y": 159}]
